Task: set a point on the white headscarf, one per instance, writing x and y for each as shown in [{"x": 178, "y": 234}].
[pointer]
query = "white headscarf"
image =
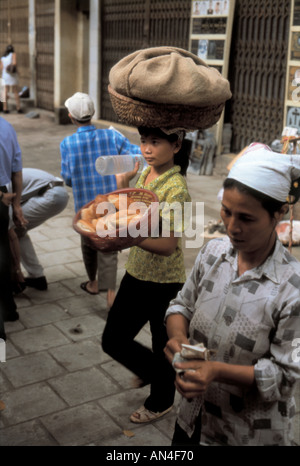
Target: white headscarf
[{"x": 266, "y": 171}]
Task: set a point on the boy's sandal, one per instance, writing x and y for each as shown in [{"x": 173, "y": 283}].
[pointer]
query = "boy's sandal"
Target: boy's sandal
[{"x": 143, "y": 415}]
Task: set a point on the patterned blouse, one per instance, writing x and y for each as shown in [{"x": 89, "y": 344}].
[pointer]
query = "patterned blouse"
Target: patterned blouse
[
  {"x": 253, "y": 319},
  {"x": 170, "y": 187}
]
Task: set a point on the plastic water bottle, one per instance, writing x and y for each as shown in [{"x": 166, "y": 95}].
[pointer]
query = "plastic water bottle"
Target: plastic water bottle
[{"x": 113, "y": 164}]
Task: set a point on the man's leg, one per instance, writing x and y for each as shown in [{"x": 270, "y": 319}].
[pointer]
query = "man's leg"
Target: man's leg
[
  {"x": 38, "y": 210},
  {"x": 29, "y": 258}
]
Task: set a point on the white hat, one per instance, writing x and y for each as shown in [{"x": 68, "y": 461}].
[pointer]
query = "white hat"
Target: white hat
[
  {"x": 266, "y": 171},
  {"x": 80, "y": 106}
]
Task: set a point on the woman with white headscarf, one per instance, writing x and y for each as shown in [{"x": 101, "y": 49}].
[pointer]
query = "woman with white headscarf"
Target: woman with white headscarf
[{"x": 242, "y": 302}]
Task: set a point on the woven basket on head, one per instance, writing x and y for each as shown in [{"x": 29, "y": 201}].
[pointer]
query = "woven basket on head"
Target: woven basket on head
[
  {"x": 141, "y": 113},
  {"x": 121, "y": 238}
]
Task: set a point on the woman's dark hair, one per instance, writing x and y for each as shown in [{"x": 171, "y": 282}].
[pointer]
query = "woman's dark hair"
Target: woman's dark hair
[
  {"x": 182, "y": 156},
  {"x": 268, "y": 203},
  {"x": 9, "y": 49}
]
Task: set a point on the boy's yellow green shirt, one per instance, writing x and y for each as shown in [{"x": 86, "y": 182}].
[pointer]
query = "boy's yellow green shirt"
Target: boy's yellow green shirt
[{"x": 170, "y": 187}]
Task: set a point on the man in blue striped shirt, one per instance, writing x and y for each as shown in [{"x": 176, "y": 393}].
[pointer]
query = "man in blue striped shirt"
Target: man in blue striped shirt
[{"x": 78, "y": 157}]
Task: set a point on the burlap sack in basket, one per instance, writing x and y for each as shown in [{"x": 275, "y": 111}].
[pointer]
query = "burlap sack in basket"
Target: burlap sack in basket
[{"x": 167, "y": 87}]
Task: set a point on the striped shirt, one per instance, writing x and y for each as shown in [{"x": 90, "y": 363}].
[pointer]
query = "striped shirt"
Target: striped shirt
[{"x": 79, "y": 153}]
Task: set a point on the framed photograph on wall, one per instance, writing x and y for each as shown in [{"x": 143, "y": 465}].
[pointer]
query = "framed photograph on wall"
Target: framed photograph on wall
[
  {"x": 199, "y": 48},
  {"x": 293, "y": 90},
  {"x": 209, "y": 25},
  {"x": 210, "y": 7},
  {"x": 200, "y": 7},
  {"x": 207, "y": 49},
  {"x": 295, "y": 45},
  {"x": 215, "y": 49},
  {"x": 210, "y": 39},
  {"x": 221, "y": 7},
  {"x": 293, "y": 116},
  {"x": 296, "y": 15}
]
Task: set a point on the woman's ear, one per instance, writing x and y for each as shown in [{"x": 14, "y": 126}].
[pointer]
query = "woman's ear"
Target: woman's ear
[
  {"x": 281, "y": 213},
  {"x": 284, "y": 209}
]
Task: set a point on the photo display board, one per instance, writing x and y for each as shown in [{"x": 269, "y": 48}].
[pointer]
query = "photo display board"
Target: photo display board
[
  {"x": 292, "y": 92},
  {"x": 210, "y": 39}
]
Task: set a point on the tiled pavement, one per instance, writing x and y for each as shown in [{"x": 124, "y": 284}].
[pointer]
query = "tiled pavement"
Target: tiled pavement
[{"x": 58, "y": 388}]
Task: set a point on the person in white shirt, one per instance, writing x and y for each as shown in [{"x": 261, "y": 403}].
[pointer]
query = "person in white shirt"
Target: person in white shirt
[
  {"x": 43, "y": 196},
  {"x": 8, "y": 67}
]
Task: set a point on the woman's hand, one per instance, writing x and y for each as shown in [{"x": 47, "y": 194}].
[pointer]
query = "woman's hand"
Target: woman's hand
[
  {"x": 197, "y": 375},
  {"x": 196, "y": 378},
  {"x": 174, "y": 346}
]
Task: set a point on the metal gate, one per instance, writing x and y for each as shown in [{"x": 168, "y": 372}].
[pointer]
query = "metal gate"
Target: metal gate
[
  {"x": 129, "y": 26},
  {"x": 257, "y": 71},
  {"x": 45, "y": 53},
  {"x": 14, "y": 30}
]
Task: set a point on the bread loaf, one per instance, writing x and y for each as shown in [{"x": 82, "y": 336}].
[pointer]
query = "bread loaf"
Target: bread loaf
[{"x": 86, "y": 225}]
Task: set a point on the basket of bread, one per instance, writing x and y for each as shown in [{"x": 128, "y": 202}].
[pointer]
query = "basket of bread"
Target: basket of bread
[{"x": 118, "y": 220}]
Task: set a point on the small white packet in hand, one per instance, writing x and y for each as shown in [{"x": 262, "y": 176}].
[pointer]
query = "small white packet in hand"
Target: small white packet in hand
[
  {"x": 191, "y": 352},
  {"x": 195, "y": 352}
]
